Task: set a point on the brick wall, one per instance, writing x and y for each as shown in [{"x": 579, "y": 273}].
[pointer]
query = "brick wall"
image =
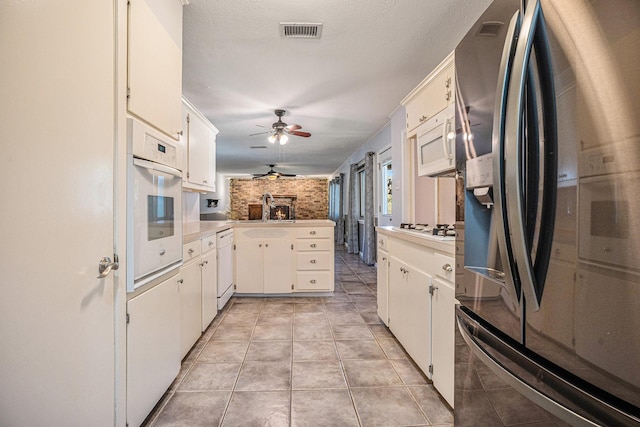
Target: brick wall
[{"x": 311, "y": 196}]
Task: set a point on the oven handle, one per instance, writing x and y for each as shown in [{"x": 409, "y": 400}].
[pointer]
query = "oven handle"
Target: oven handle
[{"x": 157, "y": 167}]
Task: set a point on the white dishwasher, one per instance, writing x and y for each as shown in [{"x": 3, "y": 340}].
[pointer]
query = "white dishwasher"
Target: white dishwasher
[{"x": 225, "y": 266}]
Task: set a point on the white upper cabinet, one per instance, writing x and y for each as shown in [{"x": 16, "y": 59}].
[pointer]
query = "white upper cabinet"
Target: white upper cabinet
[
  {"x": 154, "y": 51},
  {"x": 199, "y": 168},
  {"x": 434, "y": 94}
]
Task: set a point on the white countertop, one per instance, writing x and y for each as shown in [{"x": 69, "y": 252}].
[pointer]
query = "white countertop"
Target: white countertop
[
  {"x": 192, "y": 231},
  {"x": 442, "y": 243},
  {"x": 294, "y": 223}
]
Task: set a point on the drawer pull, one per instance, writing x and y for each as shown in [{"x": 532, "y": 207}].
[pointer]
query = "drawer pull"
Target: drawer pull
[
  {"x": 313, "y": 245},
  {"x": 447, "y": 268},
  {"x": 190, "y": 251},
  {"x": 181, "y": 281},
  {"x": 312, "y": 281},
  {"x": 162, "y": 252},
  {"x": 312, "y": 232},
  {"x": 313, "y": 261},
  {"x": 210, "y": 243}
]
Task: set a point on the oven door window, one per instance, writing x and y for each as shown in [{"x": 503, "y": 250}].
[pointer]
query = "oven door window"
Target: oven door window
[{"x": 160, "y": 220}]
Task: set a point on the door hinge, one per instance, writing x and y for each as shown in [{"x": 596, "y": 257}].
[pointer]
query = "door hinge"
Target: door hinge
[
  {"x": 187, "y": 175},
  {"x": 234, "y": 286},
  {"x": 431, "y": 369},
  {"x": 188, "y": 118},
  {"x": 128, "y": 318},
  {"x": 234, "y": 246},
  {"x": 292, "y": 246},
  {"x": 291, "y": 287},
  {"x": 128, "y": 92}
]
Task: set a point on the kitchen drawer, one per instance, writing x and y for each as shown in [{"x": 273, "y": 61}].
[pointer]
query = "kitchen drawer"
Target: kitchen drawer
[
  {"x": 191, "y": 251},
  {"x": 314, "y": 281},
  {"x": 314, "y": 244},
  {"x": 445, "y": 266},
  {"x": 314, "y": 260},
  {"x": 563, "y": 251},
  {"x": 315, "y": 232},
  {"x": 208, "y": 243},
  {"x": 383, "y": 242}
]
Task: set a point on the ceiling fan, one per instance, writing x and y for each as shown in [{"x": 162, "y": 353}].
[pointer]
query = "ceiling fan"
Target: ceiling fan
[
  {"x": 271, "y": 174},
  {"x": 280, "y": 130}
]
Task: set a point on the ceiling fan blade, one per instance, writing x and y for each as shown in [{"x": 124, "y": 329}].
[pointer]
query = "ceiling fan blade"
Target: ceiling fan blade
[
  {"x": 293, "y": 127},
  {"x": 258, "y": 175},
  {"x": 298, "y": 133},
  {"x": 260, "y": 133},
  {"x": 266, "y": 127},
  {"x": 287, "y": 174}
]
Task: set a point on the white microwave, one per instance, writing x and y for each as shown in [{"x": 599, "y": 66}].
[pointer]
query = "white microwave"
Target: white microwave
[{"x": 435, "y": 151}]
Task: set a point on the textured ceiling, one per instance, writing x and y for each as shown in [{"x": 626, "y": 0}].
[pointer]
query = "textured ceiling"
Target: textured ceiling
[{"x": 340, "y": 88}]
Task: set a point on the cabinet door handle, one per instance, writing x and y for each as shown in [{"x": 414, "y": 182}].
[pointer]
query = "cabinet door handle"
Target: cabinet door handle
[
  {"x": 313, "y": 261},
  {"x": 181, "y": 281},
  {"x": 447, "y": 268},
  {"x": 266, "y": 245},
  {"x": 313, "y": 245},
  {"x": 204, "y": 181},
  {"x": 162, "y": 252},
  {"x": 312, "y": 232},
  {"x": 260, "y": 245},
  {"x": 384, "y": 259},
  {"x": 312, "y": 281},
  {"x": 210, "y": 243},
  {"x": 190, "y": 251}
]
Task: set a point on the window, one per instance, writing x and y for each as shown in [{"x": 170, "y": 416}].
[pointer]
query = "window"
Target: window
[{"x": 387, "y": 188}]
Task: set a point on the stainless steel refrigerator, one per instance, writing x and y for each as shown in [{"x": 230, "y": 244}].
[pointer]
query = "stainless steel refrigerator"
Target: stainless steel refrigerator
[{"x": 548, "y": 139}]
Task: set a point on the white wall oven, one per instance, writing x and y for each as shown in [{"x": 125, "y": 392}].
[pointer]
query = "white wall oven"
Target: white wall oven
[{"x": 154, "y": 211}]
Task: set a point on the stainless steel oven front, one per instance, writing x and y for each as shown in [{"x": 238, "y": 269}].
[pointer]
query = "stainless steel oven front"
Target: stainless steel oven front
[{"x": 154, "y": 212}]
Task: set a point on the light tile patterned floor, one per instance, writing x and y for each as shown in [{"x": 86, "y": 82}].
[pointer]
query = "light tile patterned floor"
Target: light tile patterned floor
[{"x": 302, "y": 361}]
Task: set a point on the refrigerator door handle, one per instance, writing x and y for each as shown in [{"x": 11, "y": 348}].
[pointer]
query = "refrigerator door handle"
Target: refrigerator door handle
[
  {"x": 513, "y": 145},
  {"x": 500, "y": 218},
  {"x": 557, "y": 391}
]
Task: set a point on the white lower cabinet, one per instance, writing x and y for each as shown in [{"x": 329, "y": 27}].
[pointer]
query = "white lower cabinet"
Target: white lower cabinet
[
  {"x": 314, "y": 259},
  {"x": 153, "y": 347},
  {"x": 191, "y": 321},
  {"x": 410, "y": 310},
  {"x": 443, "y": 338},
  {"x": 419, "y": 298},
  {"x": 190, "y": 306},
  {"x": 209, "y": 281},
  {"x": 264, "y": 266},
  {"x": 383, "y": 285}
]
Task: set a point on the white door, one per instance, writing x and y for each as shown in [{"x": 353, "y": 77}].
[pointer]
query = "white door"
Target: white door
[{"x": 57, "y": 334}]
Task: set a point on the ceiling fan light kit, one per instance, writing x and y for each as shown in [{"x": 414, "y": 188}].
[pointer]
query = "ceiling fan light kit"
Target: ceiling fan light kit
[{"x": 280, "y": 131}]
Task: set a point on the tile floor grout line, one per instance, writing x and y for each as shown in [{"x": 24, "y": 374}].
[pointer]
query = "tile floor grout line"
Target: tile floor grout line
[{"x": 235, "y": 383}]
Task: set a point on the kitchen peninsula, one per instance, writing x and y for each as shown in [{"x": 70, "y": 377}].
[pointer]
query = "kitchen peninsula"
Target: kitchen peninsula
[{"x": 281, "y": 257}]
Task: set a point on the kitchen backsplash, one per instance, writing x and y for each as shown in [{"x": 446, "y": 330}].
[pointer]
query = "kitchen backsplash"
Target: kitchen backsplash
[{"x": 311, "y": 195}]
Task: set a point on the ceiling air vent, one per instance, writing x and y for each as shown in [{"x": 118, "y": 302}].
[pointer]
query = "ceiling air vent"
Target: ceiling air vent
[
  {"x": 300, "y": 30},
  {"x": 490, "y": 29}
]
